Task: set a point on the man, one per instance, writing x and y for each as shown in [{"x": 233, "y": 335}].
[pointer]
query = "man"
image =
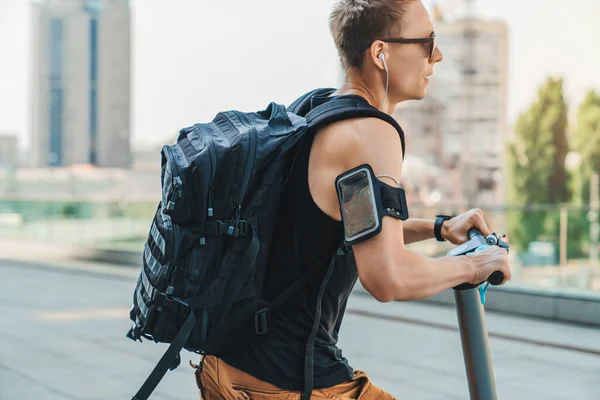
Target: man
[{"x": 382, "y": 69}]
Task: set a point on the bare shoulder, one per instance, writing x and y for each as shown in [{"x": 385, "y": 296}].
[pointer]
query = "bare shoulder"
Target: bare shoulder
[
  {"x": 360, "y": 141},
  {"x": 344, "y": 145}
]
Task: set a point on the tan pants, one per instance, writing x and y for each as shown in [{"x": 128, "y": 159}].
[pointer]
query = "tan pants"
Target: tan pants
[{"x": 220, "y": 381}]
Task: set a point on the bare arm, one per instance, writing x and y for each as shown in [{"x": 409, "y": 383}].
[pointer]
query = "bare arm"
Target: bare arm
[
  {"x": 417, "y": 230},
  {"x": 390, "y": 271},
  {"x": 386, "y": 268}
]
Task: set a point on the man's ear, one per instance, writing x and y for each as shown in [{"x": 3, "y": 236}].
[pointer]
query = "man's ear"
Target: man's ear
[{"x": 377, "y": 54}]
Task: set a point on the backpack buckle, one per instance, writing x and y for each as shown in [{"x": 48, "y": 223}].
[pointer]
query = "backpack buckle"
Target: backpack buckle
[
  {"x": 261, "y": 321},
  {"x": 175, "y": 305},
  {"x": 243, "y": 228},
  {"x": 220, "y": 228},
  {"x": 240, "y": 228},
  {"x": 216, "y": 228}
]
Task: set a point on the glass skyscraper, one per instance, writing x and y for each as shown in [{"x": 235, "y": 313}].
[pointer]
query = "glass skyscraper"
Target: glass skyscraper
[{"x": 81, "y": 83}]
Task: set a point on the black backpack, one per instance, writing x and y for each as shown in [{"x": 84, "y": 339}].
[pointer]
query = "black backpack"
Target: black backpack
[{"x": 200, "y": 286}]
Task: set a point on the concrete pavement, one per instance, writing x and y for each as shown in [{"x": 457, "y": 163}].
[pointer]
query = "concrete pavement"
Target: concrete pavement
[{"x": 62, "y": 336}]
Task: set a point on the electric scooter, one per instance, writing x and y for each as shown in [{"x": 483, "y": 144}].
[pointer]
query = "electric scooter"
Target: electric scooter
[{"x": 471, "y": 320}]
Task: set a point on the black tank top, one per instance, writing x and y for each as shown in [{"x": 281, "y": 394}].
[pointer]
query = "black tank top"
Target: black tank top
[{"x": 304, "y": 236}]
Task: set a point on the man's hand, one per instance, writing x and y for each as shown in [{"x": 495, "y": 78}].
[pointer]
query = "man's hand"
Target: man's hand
[
  {"x": 487, "y": 262},
  {"x": 455, "y": 230}
]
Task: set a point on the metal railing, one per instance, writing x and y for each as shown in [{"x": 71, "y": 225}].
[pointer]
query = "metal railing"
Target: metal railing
[{"x": 550, "y": 245}]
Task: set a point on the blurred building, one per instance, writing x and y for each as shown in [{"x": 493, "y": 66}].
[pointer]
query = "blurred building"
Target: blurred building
[
  {"x": 8, "y": 150},
  {"x": 461, "y": 125},
  {"x": 81, "y": 83}
]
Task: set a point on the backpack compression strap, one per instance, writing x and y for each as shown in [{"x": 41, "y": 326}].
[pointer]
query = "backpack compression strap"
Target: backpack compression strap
[
  {"x": 167, "y": 360},
  {"x": 337, "y": 110}
]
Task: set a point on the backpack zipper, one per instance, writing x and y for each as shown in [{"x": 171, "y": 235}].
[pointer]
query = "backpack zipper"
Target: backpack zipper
[
  {"x": 211, "y": 212},
  {"x": 249, "y": 166},
  {"x": 213, "y": 166}
]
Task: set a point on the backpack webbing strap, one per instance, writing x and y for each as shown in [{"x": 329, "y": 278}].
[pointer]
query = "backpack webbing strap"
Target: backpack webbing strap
[
  {"x": 232, "y": 291},
  {"x": 167, "y": 359},
  {"x": 338, "y": 110},
  {"x": 310, "y": 344}
]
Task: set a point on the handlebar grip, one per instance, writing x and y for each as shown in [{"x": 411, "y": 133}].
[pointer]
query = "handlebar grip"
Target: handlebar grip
[
  {"x": 496, "y": 278},
  {"x": 473, "y": 232}
]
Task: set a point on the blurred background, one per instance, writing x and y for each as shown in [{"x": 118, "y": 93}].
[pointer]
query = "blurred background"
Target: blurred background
[{"x": 91, "y": 89}]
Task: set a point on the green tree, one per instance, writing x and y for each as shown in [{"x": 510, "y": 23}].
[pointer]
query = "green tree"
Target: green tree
[
  {"x": 536, "y": 161},
  {"x": 586, "y": 141}
]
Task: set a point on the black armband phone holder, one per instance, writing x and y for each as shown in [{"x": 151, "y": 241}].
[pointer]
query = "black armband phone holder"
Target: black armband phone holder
[{"x": 364, "y": 201}]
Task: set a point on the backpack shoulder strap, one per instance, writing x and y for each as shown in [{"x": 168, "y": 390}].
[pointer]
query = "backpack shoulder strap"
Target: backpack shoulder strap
[
  {"x": 310, "y": 344},
  {"x": 303, "y": 104},
  {"x": 340, "y": 109}
]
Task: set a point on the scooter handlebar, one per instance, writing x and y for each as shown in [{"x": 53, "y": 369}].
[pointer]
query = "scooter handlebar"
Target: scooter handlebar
[{"x": 474, "y": 232}]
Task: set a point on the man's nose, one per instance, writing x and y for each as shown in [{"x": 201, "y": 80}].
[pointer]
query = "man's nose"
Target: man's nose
[{"x": 437, "y": 55}]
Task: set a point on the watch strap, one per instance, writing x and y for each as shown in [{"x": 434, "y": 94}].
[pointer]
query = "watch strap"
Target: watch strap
[{"x": 437, "y": 226}]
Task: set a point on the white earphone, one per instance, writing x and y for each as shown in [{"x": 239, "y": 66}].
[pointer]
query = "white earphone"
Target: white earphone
[{"x": 382, "y": 58}]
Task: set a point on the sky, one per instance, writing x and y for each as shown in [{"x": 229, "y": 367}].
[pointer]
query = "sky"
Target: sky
[{"x": 194, "y": 58}]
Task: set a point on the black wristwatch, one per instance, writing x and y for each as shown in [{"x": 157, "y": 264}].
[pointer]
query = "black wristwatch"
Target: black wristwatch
[{"x": 437, "y": 227}]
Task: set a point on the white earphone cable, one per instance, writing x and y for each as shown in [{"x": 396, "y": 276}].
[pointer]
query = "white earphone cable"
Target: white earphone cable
[{"x": 382, "y": 57}]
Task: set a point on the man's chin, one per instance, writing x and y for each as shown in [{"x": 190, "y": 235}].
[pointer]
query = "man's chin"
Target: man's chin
[{"x": 420, "y": 96}]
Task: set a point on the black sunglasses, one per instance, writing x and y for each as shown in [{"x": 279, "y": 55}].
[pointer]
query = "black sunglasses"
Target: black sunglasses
[{"x": 428, "y": 40}]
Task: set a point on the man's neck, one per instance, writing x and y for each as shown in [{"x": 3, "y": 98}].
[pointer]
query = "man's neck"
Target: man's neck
[{"x": 356, "y": 84}]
